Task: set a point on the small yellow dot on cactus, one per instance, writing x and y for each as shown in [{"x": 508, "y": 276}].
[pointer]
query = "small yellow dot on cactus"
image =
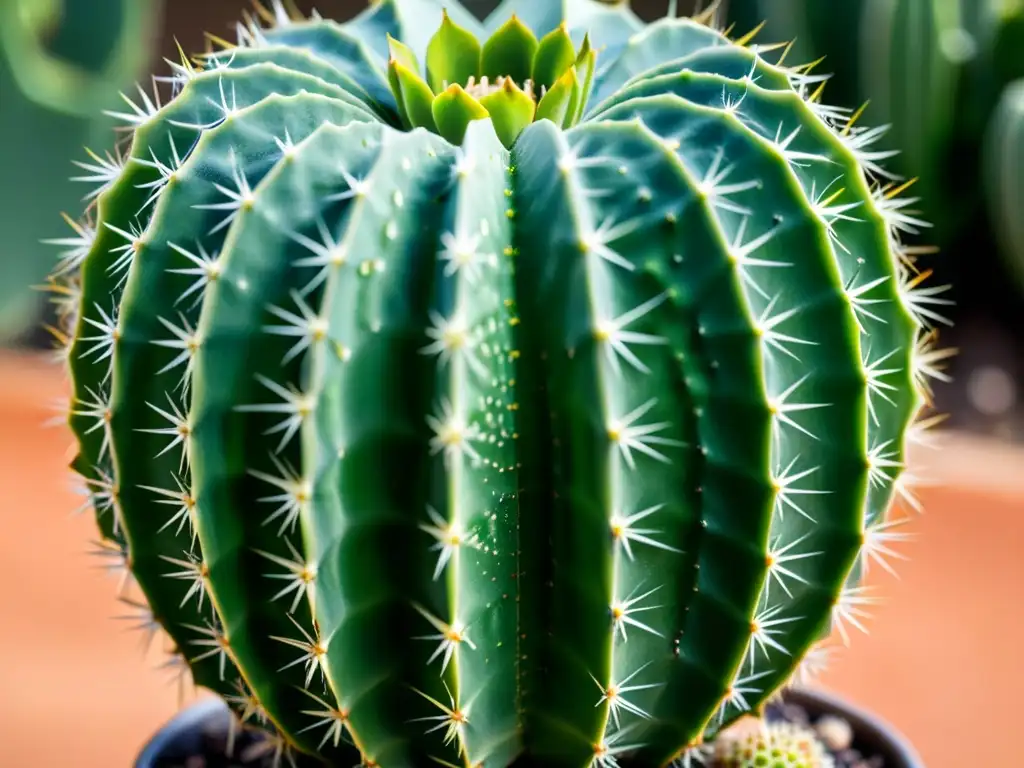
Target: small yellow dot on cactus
[{"x": 454, "y": 636}]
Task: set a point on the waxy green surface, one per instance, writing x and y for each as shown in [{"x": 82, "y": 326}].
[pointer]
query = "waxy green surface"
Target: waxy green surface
[{"x": 552, "y": 435}]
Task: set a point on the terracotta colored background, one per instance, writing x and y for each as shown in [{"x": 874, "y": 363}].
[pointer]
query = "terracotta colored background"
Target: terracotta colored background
[{"x": 942, "y": 663}]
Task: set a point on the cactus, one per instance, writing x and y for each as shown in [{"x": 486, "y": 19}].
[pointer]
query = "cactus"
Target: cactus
[
  {"x": 438, "y": 420},
  {"x": 61, "y": 64},
  {"x": 772, "y": 745}
]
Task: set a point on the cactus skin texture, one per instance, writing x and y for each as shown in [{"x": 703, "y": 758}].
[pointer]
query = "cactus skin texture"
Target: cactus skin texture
[{"x": 563, "y": 447}]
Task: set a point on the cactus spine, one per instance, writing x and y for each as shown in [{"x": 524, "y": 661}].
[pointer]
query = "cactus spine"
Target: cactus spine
[{"x": 563, "y": 442}]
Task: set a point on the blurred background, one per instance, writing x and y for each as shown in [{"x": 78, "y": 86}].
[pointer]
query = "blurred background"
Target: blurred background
[{"x": 942, "y": 662}]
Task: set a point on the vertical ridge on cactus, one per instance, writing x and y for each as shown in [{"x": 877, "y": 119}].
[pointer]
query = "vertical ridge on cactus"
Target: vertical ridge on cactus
[{"x": 531, "y": 391}]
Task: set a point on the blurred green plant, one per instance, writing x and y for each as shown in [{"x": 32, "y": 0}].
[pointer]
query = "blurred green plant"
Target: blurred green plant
[
  {"x": 62, "y": 63},
  {"x": 947, "y": 77}
]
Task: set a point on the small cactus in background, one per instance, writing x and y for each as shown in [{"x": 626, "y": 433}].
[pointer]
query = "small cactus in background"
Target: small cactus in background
[
  {"x": 61, "y": 64},
  {"x": 556, "y": 416},
  {"x": 772, "y": 745}
]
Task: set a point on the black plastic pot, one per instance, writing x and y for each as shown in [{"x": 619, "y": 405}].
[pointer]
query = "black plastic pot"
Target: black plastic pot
[
  {"x": 187, "y": 733},
  {"x": 184, "y": 735}
]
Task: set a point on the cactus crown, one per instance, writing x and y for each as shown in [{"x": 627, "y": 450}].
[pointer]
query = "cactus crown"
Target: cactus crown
[
  {"x": 432, "y": 433},
  {"x": 512, "y": 79}
]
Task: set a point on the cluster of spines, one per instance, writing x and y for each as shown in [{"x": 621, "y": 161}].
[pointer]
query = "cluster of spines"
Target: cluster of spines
[{"x": 199, "y": 266}]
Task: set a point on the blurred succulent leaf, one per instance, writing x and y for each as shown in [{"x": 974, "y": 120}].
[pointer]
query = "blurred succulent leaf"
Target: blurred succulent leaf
[
  {"x": 453, "y": 56},
  {"x": 510, "y": 52}
]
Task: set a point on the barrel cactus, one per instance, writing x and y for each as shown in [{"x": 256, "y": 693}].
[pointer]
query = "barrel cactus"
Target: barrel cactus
[{"x": 533, "y": 389}]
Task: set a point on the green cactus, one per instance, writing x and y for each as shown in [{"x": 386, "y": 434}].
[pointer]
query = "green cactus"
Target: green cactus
[{"x": 435, "y": 424}]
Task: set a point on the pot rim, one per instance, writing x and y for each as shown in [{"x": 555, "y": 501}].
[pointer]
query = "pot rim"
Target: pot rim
[{"x": 864, "y": 722}]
